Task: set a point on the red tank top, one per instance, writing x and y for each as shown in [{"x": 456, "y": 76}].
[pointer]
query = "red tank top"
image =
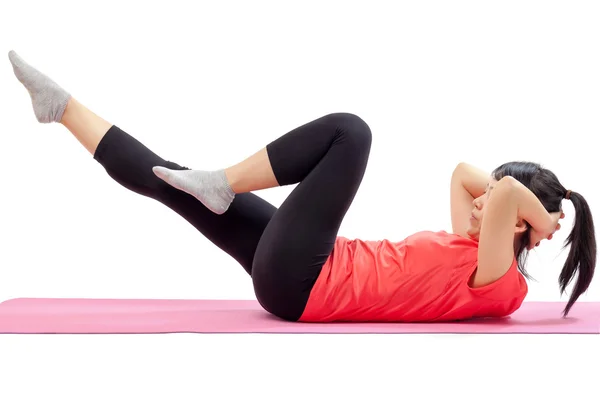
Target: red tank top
[{"x": 421, "y": 278}]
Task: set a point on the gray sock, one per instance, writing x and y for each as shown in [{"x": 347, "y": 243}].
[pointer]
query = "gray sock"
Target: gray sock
[
  {"x": 49, "y": 100},
  {"x": 211, "y": 188}
]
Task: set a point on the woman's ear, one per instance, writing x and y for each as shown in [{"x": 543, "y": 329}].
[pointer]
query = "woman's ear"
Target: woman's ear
[{"x": 521, "y": 226}]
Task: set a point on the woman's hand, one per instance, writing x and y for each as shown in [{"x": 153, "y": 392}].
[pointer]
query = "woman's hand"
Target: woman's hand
[{"x": 535, "y": 237}]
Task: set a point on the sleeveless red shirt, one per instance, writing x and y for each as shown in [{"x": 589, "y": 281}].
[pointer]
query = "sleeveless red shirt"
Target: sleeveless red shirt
[{"x": 421, "y": 278}]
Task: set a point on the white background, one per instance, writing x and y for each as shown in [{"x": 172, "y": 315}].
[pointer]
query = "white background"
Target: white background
[{"x": 206, "y": 84}]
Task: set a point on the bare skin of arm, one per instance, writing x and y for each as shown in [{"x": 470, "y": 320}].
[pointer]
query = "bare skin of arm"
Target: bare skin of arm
[
  {"x": 502, "y": 207},
  {"x": 510, "y": 204}
]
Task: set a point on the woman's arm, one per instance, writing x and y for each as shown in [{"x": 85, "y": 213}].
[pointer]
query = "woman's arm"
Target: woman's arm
[
  {"x": 532, "y": 210},
  {"x": 468, "y": 183},
  {"x": 509, "y": 202}
]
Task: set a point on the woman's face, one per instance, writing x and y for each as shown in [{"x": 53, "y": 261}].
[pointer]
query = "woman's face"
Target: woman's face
[{"x": 476, "y": 216}]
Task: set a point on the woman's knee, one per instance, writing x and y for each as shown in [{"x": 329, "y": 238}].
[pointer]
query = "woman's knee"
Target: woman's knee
[
  {"x": 354, "y": 129},
  {"x": 140, "y": 179},
  {"x": 129, "y": 162},
  {"x": 158, "y": 187}
]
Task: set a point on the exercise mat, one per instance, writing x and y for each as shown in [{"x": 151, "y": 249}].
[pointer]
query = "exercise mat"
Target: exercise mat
[{"x": 47, "y": 315}]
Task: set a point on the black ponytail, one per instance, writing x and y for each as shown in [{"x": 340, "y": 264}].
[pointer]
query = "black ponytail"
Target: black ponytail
[{"x": 581, "y": 260}]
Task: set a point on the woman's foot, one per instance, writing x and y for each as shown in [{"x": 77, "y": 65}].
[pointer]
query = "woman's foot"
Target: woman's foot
[
  {"x": 211, "y": 188},
  {"x": 49, "y": 99}
]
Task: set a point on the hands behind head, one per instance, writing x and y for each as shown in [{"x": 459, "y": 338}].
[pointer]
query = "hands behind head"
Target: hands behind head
[{"x": 535, "y": 236}]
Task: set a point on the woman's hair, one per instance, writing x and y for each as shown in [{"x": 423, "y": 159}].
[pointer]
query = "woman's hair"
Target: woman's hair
[{"x": 582, "y": 240}]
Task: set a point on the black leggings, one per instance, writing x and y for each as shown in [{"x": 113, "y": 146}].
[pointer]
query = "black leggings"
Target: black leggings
[{"x": 282, "y": 249}]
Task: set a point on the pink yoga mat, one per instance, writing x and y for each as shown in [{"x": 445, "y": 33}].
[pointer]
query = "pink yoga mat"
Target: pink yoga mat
[{"x": 246, "y": 316}]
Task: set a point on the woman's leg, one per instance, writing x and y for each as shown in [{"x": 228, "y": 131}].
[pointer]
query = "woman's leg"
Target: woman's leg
[
  {"x": 328, "y": 156},
  {"x": 130, "y": 163},
  {"x": 236, "y": 232}
]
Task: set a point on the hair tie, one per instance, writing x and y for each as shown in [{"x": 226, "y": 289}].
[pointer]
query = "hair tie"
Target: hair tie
[{"x": 568, "y": 194}]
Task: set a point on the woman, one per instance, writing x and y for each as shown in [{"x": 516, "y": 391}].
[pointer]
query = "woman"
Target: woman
[{"x": 300, "y": 268}]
